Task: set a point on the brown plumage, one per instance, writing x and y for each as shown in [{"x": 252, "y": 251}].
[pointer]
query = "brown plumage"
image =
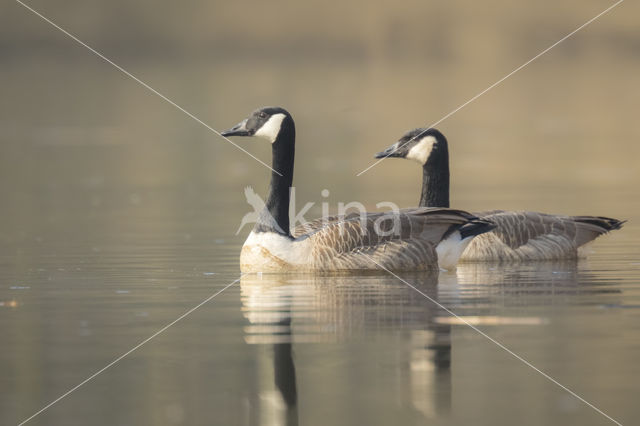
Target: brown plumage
[
  {"x": 406, "y": 240},
  {"x": 536, "y": 236},
  {"x": 348, "y": 242}
]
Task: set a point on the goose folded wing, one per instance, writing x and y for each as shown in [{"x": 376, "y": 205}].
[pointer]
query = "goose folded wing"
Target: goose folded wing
[
  {"x": 516, "y": 229},
  {"x": 392, "y": 240}
]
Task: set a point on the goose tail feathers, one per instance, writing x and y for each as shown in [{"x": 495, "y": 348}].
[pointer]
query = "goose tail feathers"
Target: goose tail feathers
[{"x": 606, "y": 224}]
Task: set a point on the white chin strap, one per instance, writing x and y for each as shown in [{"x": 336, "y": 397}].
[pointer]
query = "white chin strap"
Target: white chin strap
[
  {"x": 420, "y": 152},
  {"x": 271, "y": 128}
]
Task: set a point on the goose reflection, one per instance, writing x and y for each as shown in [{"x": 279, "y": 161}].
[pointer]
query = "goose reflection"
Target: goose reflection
[
  {"x": 534, "y": 283},
  {"x": 269, "y": 315},
  {"x": 287, "y": 312}
]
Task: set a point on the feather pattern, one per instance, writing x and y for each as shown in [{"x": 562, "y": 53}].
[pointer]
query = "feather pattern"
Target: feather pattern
[
  {"x": 525, "y": 235},
  {"x": 366, "y": 242}
]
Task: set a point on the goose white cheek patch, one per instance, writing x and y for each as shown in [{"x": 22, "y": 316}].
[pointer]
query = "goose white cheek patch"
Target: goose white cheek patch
[
  {"x": 271, "y": 128},
  {"x": 420, "y": 151}
]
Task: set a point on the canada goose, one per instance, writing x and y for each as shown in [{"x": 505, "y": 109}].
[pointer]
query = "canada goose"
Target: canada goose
[
  {"x": 519, "y": 235},
  {"x": 412, "y": 239}
]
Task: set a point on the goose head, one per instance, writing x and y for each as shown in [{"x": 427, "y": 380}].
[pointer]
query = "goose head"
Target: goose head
[
  {"x": 427, "y": 147},
  {"x": 418, "y": 145},
  {"x": 267, "y": 123}
]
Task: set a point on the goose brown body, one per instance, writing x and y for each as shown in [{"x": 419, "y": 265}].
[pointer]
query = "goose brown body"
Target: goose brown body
[
  {"x": 355, "y": 242},
  {"x": 525, "y": 235}
]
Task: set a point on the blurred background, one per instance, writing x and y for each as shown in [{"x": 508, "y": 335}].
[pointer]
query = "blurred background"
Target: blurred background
[
  {"x": 354, "y": 76},
  {"x": 111, "y": 199}
]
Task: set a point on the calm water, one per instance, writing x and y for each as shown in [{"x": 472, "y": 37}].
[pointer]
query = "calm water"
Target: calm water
[
  {"x": 81, "y": 285},
  {"x": 118, "y": 214}
]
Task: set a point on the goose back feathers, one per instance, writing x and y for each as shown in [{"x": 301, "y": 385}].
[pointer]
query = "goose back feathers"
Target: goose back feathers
[
  {"x": 536, "y": 236},
  {"x": 367, "y": 242}
]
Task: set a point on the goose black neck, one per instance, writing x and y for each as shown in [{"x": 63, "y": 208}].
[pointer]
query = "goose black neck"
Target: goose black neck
[
  {"x": 435, "y": 178},
  {"x": 275, "y": 216}
]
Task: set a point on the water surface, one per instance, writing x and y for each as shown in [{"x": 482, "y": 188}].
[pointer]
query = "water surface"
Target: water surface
[{"x": 83, "y": 289}]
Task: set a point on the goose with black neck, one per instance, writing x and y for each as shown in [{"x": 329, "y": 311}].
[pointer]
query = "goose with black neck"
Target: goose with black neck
[
  {"x": 426, "y": 238},
  {"x": 518, "y": 235}
]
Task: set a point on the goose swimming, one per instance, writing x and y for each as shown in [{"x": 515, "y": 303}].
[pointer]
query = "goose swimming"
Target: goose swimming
[
  {"x": 411, "y": 239},
  {"x": 518, "y": 235}
]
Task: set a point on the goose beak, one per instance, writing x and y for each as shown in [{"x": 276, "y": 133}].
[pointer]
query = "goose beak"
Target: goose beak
[
  {"x": 392, "y": 151},
  {"x": 239, "y": 129}
]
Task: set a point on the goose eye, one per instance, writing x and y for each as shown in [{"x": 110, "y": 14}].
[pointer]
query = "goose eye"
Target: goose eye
[{"x": 262, "y": 115}]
